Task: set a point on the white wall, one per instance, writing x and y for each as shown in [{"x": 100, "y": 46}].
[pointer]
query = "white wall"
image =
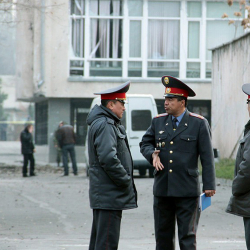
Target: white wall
[{"x": 231, "y": 69}]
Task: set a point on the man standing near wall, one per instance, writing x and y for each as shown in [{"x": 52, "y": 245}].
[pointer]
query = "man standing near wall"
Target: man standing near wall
[
  {"x": 239, "y": 203},
  {"x": 172, "y": 144},
  {"x": 111, "y": 184},
  {"x": 27, "y": 149},
  {"x": 66, "y": 139}
]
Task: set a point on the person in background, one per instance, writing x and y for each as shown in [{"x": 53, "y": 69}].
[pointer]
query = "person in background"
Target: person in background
[
  {"x": 239, "y": 203},
  {"x": 27, "y": 149},
  {"x": 66, "y": 139}
]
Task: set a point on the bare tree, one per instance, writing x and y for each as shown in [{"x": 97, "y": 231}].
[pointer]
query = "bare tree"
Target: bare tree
[{"x": 245, "y": 22}]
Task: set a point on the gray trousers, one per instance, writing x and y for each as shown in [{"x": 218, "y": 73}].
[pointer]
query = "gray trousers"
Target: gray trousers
[
  {"x": 247, "y": 231},
  {"x": 105, "y": 231}
]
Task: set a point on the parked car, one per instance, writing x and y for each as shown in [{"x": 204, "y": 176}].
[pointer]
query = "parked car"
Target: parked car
[{"x": 140, "y": 109}]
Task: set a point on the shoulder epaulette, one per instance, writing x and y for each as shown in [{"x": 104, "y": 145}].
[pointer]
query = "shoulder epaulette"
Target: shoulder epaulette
[
  {"x": 196, "y": 115},
  {"x": 161, "y": 115}
]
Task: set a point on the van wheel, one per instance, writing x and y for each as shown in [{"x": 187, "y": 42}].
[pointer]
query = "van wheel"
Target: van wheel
[
  {"x": 151, "y": 172},
  {"x": 142, "y": 171}
]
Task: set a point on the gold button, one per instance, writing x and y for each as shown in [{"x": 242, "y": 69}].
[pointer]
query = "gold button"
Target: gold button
[
  {"x": 171, "y": 142},
  {"x": 171, "y": 161},
  {"x": 171, "y": 152},
  {"x": 170, "y": 170}
]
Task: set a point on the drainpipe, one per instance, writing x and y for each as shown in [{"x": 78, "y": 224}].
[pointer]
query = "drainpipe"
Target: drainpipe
[{"x": 40, "y": 83}]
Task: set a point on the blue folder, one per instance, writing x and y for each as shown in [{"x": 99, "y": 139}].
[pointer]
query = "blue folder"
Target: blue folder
[{"x": 205, "y": 201}]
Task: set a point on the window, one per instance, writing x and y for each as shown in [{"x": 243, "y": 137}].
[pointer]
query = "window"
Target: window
[
  {"x": 147, "y": 38},
  {"x": 163, "y": 38},
  {"x": 141, "y": 120}
]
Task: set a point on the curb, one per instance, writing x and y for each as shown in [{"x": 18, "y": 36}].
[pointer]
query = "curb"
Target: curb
[{"x": 4, "y": 168}]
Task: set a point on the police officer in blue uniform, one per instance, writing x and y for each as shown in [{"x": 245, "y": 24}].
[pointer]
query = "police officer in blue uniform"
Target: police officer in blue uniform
[{"x": 172, "y": 144}]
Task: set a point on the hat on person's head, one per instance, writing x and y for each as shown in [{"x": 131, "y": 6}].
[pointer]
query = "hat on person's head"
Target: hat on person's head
[
  {"x": 246, "y": 90},
  {"x": 175, "y": 87},
  {"x": 118, "y": 93}
]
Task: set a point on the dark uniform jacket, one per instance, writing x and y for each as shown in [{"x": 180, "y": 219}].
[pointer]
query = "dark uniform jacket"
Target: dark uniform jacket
[
  {"x": 179, "y": 152},
  {"x": 111, "y": 184},
  {"x": 239, "y": 203},
  {"x": 65, "y": 135},
  {"x": 27, "y": 146}
]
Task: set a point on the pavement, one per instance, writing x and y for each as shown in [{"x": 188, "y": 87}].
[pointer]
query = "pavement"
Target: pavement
[
  {"x": 10, "y": 155},
  {"x": 51, "y": 212}
]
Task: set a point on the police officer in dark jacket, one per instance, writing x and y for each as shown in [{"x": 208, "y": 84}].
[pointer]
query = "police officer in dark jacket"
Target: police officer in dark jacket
[
  {"x": 111, "y": 185},
  {"x": 173, "y": 144},
  {"x": 239, "y": 203},
  {"x": 27, "y": 149}
]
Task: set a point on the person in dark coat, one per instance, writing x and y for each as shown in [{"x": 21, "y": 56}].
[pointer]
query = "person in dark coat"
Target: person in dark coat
[
  {"x": 111, "y": 184},
  {"x": 27, "y": 149},
  {"x": 172, "y": 144},
  {"x": 239, "y": 203},
  {"x": 66, "y": 139}
]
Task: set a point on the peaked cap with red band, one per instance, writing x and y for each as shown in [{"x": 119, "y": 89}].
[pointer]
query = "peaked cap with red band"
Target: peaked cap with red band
[
  {"x": 246, "y": 89},
  {"x": 175, "y": 87},
  {"x": 117, "y": 93}
]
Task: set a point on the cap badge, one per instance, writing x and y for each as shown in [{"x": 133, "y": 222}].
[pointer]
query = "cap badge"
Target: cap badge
[
  {"x": 168, "y": 90},
  {"x": 166, "y": 80}
]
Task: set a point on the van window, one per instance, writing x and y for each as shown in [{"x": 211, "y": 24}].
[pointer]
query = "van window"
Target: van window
[
  {"x": 123, "y": 120},
  {"x": 141, "y": 120}
]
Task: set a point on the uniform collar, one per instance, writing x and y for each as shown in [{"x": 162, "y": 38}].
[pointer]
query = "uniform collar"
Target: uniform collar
[{"x": 179, "y": 118}]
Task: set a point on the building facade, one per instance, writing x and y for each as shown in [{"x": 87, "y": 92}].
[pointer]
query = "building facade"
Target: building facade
[{"x": 69, "y": 49}]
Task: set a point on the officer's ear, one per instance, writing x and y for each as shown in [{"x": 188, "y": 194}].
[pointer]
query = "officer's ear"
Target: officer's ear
[
  {"x": 110, "y": 105},
  {"x": 183, "y": 102}
]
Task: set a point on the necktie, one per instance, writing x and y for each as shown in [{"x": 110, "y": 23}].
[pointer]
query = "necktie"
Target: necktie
[{"x": 174, "y": 123}]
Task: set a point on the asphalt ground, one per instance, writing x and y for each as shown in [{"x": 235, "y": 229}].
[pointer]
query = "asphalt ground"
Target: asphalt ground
[{"x": 49, "y": 211}]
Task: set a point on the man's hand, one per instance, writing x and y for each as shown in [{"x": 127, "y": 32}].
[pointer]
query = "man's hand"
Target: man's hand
[
  {"x": 156, "y": 160},
  {"x": 209, "y": 193}
]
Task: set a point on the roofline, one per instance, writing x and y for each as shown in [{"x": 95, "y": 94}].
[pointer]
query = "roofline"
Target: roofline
[{"x": 232, "y": 41}]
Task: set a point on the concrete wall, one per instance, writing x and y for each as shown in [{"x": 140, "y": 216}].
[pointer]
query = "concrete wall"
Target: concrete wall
[
  {"x": 24, "y": 52},
  {"x": 231, "y": 69}
]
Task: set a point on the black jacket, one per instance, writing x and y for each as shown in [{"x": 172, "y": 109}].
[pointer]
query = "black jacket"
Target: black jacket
[
  {"x": 239, "y": 203},
  {"x": 26, "y": 139},
  {"x": 111, "y": 184},
  {"x": 179, "y": 155}
]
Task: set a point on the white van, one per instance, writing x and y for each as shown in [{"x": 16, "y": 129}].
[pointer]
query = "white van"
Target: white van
[{"x": 140, "y": 109}]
